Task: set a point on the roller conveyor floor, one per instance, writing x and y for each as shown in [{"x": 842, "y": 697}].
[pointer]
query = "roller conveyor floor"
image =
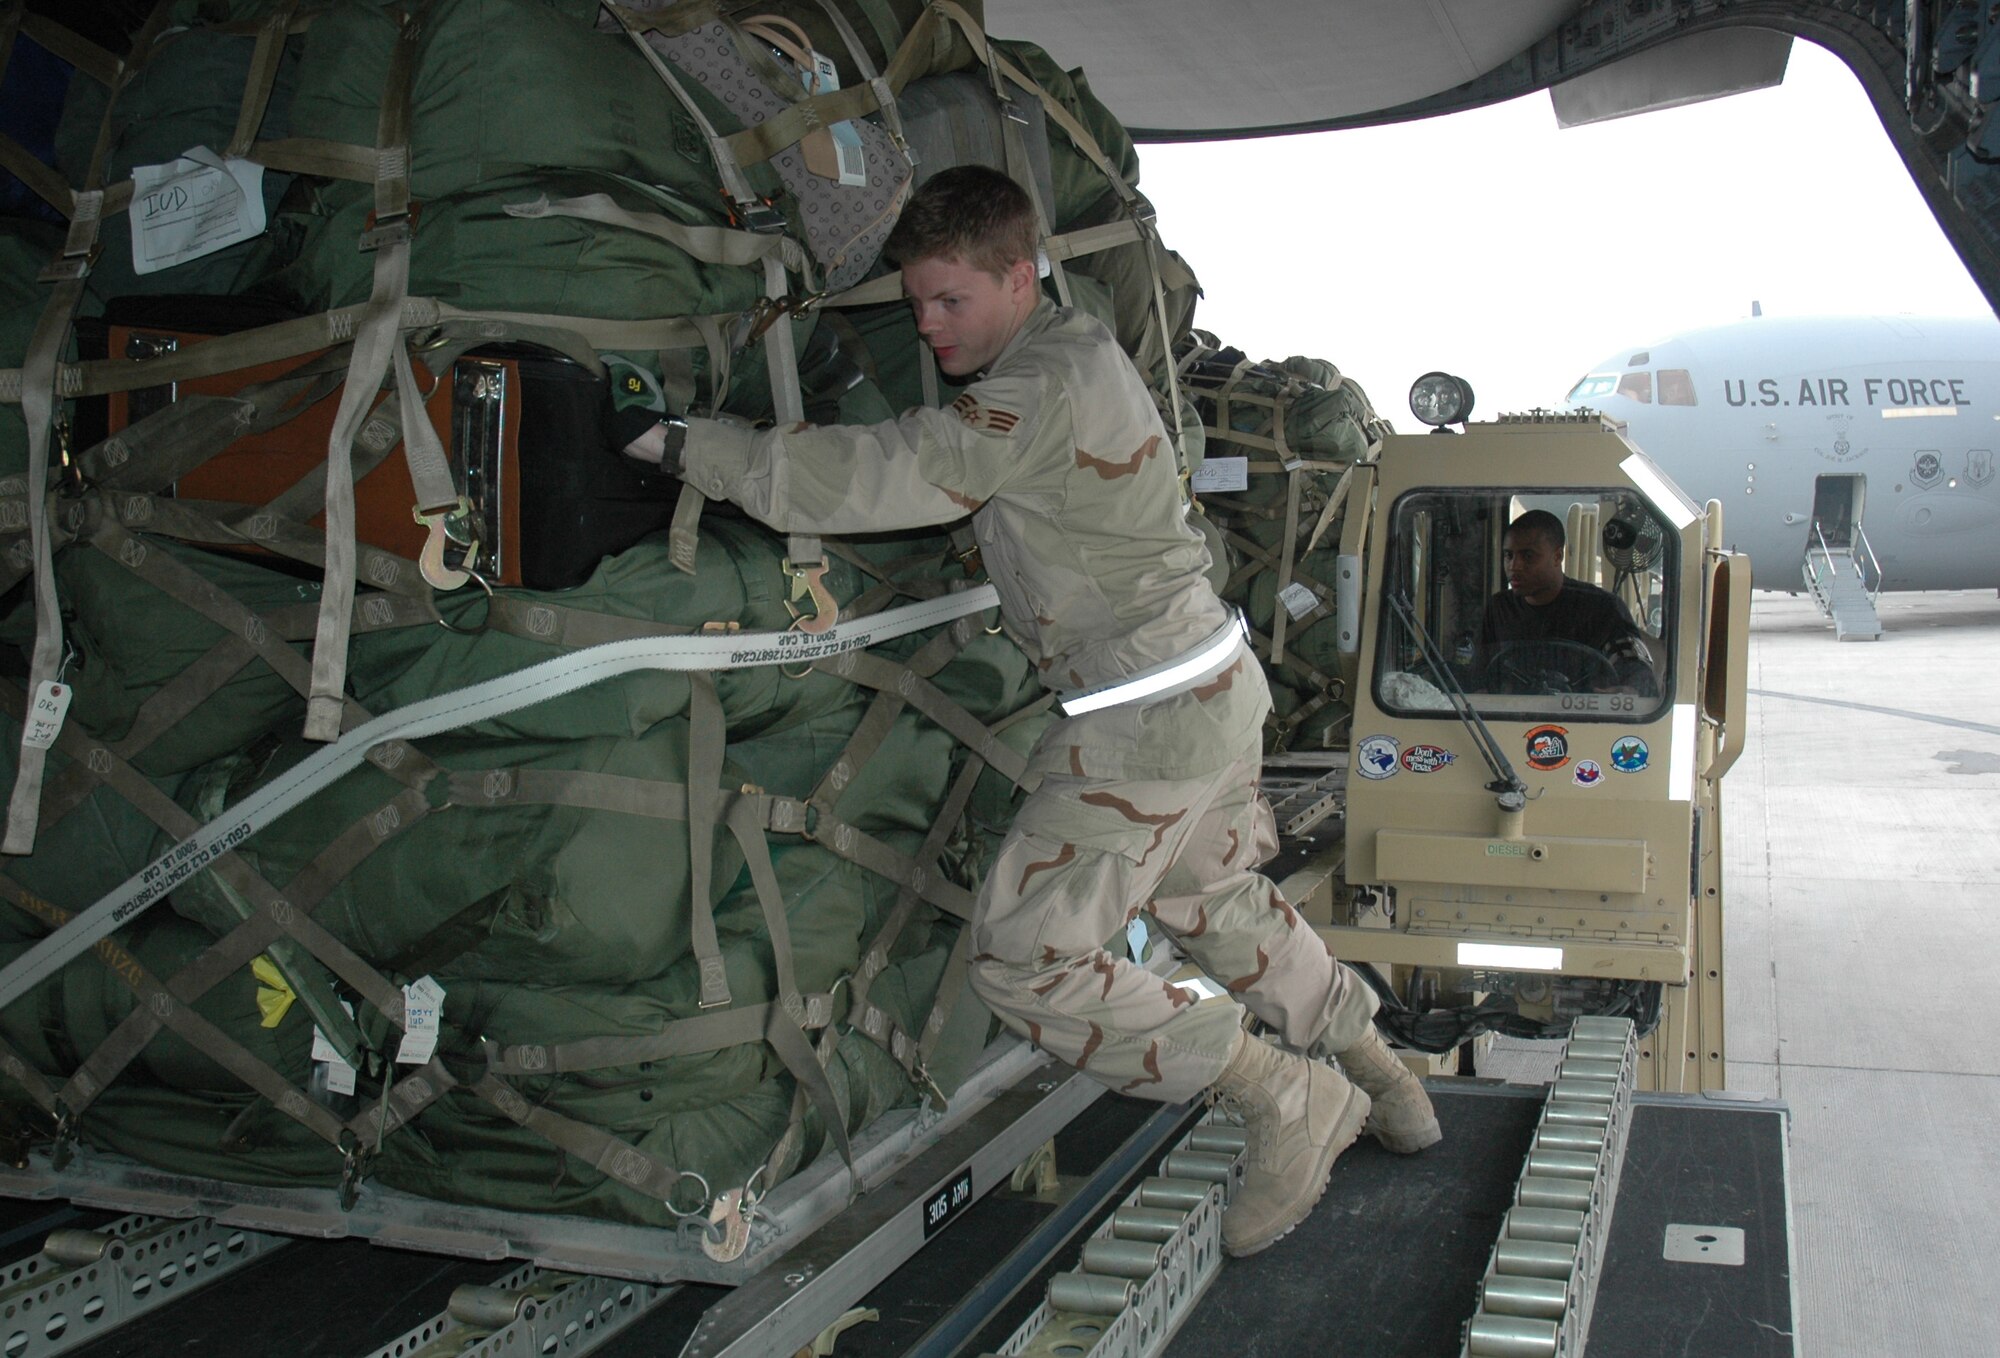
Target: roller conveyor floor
[{"x": 1389, "y": 1264}]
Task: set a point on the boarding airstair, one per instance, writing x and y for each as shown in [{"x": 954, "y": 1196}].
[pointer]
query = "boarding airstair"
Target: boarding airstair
[{"x": 1839, "y": 578}]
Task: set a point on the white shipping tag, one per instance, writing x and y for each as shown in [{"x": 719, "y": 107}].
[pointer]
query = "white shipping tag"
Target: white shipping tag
[
  {"x": 852, "y": 160},
  {"x": 1298, "y": 600},
  {"x": 1220, "y": 474},
  {"x": 423, "y": 1005},
  {"x": 45, "y": 716},
  {"x": 339, "y": 1075},
  {"x": 192, "y": 207}
]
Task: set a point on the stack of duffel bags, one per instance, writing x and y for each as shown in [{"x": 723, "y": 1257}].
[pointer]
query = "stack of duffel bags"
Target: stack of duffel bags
[
  {"x": 567, "y": 929},
  {"x": 1296, "y": 426}
]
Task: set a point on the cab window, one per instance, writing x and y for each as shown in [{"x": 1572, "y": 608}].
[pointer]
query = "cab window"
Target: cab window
[
  {"x": 1638, "y": 386},
  {"x": 1553, "y": 605},
  {"x": 1592, "y": 387},
  {"x": 1676, "y": 387}
]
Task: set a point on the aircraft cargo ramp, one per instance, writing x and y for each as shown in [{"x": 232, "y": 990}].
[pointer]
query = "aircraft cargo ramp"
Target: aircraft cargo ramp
[{"x": 1399, "y": 1257}]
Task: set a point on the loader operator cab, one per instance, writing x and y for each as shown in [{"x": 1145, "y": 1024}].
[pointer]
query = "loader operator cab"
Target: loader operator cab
[
  {"x": 1536, "y": 607},
  {"x": 1533, "y": 817}
]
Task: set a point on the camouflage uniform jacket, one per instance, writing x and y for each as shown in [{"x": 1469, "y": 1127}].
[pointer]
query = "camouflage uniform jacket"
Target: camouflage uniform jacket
[{"x": 1059, "y": 456}]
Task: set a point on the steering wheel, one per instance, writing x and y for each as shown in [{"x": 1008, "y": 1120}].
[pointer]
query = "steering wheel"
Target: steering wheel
[{"x": 1549, "y": 665}]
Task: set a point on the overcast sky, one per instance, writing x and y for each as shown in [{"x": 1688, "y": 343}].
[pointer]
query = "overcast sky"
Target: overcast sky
[{"x": 1498, "y": 247}]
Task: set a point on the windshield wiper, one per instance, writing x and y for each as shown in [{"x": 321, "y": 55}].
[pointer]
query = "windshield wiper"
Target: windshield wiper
[{"x": 1512, "y": 791}]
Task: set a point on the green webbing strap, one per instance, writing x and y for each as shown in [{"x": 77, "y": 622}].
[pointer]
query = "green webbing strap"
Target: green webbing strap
[
  {"x": 399, "y": 759},
  {"x": 872, "y": 671},
  {"x": 760, "y": 141},
  {"x": 25, "y": 1075},
  {"x": 38, "y": 411},
  {"x": 378, "y": 351},
  {"x": 233, "y": 525},
  {"x": 684, "y": 532},
  {"x": 79, "y": 52},
  {"x": 789, "y": 816},
  {"x": 157, "y": 450},
  {"x": 709, "y": 244},
  {"x": 317, "y": 156},
  {"x": 888, "y": 28},
  {"x": 163, "y": 1004},
  {"x": 706, "y": 736},
  {"x": 1288, "y": 555},
  {"x": 697, "y": 1033},
  {"x": 537, "y": 619},
  {"x": 1335, "y": 502},
  {"x": 954, "y": 1025},
  {"x": 788, "y": 1020},
  {"x": 637, "y": 1169},
  {"x": 876, "y": 723},
  {"x": 400, "y": 1104},
  {"x": 373, "y": 612},
  {"x": 1261, "y": 556},
  {"x": 864, "y": 1015},
  {"x": 265, "y": 59},
  {"x": 174, "y": 701},
  {"x": 44, "y": 182},
  {"x": 734, "y": 184},
  {"x": 885, "y": 97},
  {"x": 585, "y": 789}
]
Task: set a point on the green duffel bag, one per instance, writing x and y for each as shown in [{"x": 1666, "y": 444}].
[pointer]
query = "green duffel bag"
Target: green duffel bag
[
  {"x": 1327, "y": 418},
  {"x": 717, "y": 1114},
  {"x": 25, "y": 248},
  {"x": 737, "y": 580},
  {"x": 560, "y": 894},
  {"x": 505, "y": 87},
  {"x": 189, "y": 93},
  {"x": 66, "y": 1017},
  {"x": 463, "y": 1150},
  {"x": 468, "y": 250},
  {"x": 131, "y": 640}
]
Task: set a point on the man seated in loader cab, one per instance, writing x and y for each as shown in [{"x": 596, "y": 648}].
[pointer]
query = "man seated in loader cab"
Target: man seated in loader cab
[{"x": 1547, "y": 633}]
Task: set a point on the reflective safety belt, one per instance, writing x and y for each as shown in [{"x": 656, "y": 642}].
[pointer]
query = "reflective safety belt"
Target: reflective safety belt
[{"x": 1173, "y": 675}]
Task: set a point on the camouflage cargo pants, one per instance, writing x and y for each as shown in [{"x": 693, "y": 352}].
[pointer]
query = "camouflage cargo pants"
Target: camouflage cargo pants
[{"x": 1084, "y": 858}]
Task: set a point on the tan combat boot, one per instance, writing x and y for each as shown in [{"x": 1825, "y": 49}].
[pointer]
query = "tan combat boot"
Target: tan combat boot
[
  {"x": 1400, "y": 1115},
  {"x": 1300, "y": 1114}
]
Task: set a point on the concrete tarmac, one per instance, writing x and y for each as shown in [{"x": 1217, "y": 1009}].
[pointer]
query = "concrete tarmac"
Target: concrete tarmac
[{"x": 1862, "y": 944}]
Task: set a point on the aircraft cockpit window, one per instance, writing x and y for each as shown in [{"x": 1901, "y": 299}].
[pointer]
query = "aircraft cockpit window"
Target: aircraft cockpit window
[
  {"x": 1592, "y": 387},
  {"x": 1555, "y": 605},
  {"x": 1638, "y": 386},
  {"x": 1676, "y": 387}
]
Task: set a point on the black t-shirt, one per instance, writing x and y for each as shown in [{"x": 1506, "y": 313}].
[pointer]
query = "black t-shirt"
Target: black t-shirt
[{"x": 1580, "y": 614}]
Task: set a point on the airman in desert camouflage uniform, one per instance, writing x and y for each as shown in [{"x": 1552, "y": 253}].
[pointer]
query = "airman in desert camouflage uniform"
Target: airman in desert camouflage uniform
[{"x": 1148, "y": 803}]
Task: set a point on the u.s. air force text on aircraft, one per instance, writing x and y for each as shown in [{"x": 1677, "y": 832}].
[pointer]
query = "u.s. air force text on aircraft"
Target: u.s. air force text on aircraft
[{"x": 1841, "y": 391}]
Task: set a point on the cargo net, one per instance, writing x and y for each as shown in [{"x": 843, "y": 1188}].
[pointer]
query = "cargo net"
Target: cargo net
[
  {"x": 610, "y": 952},
  {"x": 1279, "y": 440}
]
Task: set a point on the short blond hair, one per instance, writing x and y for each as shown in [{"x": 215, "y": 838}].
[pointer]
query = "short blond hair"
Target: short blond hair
[{"x": 969, "y": 213}]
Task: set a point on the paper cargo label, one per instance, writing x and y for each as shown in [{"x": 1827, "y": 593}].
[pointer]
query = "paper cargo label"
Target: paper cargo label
[
  {"x": 1218, "y": 474},
  {"x": 192, "y": 207}
]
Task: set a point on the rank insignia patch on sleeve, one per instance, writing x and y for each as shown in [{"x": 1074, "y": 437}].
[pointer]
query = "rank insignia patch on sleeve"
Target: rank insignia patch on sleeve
[{"x": 989, "y": 419}]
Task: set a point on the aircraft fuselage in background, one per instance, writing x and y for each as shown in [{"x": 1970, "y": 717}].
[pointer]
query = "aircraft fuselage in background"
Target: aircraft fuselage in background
[{"x": 1886, "y": 423}]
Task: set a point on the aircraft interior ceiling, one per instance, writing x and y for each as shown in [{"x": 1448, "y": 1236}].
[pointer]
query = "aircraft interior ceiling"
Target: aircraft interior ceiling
[{"x": 1181, "y": 70}]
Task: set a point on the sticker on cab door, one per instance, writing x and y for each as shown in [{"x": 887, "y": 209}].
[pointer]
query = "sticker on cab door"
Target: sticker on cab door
[
  {"x": 1548, "y": 747},
  {"x": 1426, "y": 758},
  {"x": 1589, "y": 773},
  {"x": 1629, "y": 754},
  {"x": 1375, "y": 757}
]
